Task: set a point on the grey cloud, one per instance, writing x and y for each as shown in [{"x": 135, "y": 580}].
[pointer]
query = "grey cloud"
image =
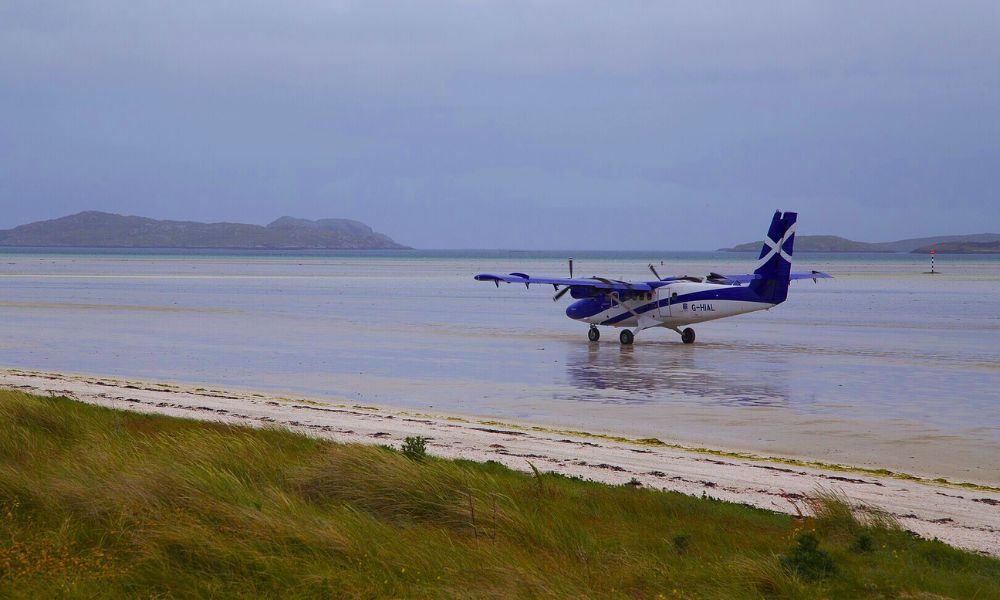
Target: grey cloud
[{"x": 421, "y": 118}]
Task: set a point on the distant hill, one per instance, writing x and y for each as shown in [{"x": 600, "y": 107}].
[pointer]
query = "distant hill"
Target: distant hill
[
  {"x": 961, "y": 248},
  {"x": 832, "y": 243},
  {"x": 814, "y": 243},
  {"x": 105, "y": 230},
  {"x": 914, "y": 244}
]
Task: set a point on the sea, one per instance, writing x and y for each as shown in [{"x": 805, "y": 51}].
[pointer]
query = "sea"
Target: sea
[{"x": 883, "y": 365}]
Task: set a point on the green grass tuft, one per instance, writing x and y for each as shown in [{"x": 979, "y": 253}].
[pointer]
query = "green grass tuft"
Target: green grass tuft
[
  {"x": 415, "y": 448},
  {"x": 103, "y": 503}
]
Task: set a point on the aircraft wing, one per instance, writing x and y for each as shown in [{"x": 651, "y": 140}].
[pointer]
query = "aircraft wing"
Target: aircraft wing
[
  {"x": 739, "y": 279},
  {"x": 814, "y": 275},
  {"x": 592, "y": 282}
]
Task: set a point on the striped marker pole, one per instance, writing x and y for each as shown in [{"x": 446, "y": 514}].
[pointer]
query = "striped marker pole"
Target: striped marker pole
[{"x": 933, "y": 252}]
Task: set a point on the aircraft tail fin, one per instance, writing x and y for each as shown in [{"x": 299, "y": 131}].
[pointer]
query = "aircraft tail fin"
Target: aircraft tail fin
[{"x": 774, "y": 265}]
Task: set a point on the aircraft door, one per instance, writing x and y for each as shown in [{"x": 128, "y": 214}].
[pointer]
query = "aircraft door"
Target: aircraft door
[{"x": 663, "y": 302}]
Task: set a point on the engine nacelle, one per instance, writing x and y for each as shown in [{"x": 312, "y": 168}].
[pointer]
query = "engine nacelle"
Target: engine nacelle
[{"x": 580, "y": 292}]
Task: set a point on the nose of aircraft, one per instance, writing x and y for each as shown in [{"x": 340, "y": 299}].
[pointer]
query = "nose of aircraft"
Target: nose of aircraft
[
  {"x": 581, "y": 309},
  {"x": 573, "y": 310}
]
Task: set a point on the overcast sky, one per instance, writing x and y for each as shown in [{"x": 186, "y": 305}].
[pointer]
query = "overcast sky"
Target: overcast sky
[{"x": 569, "y": 125}]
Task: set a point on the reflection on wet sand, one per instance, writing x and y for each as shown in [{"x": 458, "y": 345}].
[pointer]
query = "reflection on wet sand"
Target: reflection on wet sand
[
  {"x": 112, "y": 307},
  {"x": 870, "y": 367},
  {"x": 666, "y": 372}
]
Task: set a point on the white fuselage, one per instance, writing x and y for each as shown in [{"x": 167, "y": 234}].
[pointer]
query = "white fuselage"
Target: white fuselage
[{"x": 675, "y": 305}]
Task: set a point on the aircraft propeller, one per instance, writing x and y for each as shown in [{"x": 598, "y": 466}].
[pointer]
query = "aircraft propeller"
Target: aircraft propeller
[
  {"x": 562, "y": 292},
  {"x": 655, "y": 274}
]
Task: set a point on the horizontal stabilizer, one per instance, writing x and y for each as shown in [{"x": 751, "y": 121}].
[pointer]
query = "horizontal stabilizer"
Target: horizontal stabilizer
[
  {"x": 814, "y": 275},
  {"x": 747, "y": 278}
]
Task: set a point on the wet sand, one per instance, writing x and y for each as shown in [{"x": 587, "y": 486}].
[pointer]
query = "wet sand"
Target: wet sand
[
  {"x": 966, "y": 518},
  {"x": 881, "y": 367}
]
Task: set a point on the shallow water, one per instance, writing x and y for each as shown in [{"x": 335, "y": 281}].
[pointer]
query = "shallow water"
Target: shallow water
[{"x": 882, "y": 365}]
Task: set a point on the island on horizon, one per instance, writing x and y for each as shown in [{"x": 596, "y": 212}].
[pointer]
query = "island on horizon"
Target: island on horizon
[
  {"x": 976, "y": 243},
  {"x": 95, "y": 229}
]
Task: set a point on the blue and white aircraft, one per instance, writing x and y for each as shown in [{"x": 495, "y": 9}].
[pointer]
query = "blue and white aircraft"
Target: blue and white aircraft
[{"x": 675, "y": 302}]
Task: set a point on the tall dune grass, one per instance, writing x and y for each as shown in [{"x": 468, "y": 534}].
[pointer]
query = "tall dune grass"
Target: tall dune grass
[{"x": 101, "y": 503}]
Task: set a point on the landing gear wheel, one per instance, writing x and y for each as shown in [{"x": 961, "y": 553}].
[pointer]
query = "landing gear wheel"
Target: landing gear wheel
[
  {"x": 687, "y": 336},
  {"x": 626, "y": 337},
  {"x": 594, "y": 334}
]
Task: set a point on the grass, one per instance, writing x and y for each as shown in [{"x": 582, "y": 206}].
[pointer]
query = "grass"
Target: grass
[{"x": 102, "y": 503}]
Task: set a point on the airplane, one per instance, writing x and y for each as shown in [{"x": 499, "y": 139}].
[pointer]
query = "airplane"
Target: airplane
[{"x": 676, "y": 302}]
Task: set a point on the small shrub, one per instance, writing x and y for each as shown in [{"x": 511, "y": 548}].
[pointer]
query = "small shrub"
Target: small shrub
[
  {"x": 808, "y": 560},
  {"x": 415, "y": 448},
  {"x": 681, "y": 542},
  {"x": 863, "y": 544}
]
